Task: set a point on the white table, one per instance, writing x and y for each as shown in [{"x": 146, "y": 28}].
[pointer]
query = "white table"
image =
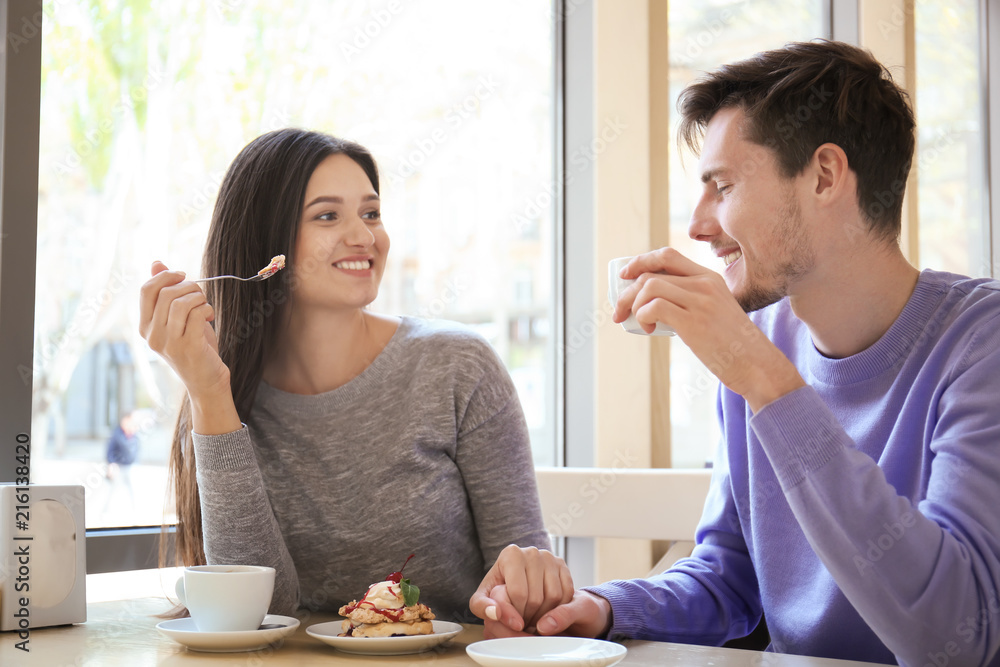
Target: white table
[{"x": 122, "y": 632}]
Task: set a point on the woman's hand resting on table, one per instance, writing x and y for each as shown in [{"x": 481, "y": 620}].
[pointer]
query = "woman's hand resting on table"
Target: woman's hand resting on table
[
  {"x": 530, "y": 591},
  {"x": 174, "y": 318}
]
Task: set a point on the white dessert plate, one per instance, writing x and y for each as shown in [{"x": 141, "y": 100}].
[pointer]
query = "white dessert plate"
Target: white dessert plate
[
  {"x": 545, "y": 652},
  {"x": 184, "y": 631},
  {"x": 327, "y": 633}
]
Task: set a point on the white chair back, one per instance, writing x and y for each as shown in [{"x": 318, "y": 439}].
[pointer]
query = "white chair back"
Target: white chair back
[{"x": 642, "y": 503}]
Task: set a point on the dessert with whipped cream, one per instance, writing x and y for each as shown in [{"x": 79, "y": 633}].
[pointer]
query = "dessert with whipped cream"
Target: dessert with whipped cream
[
  {"x": 389, "y": 608},
  {"x": 277, "y": 264}
]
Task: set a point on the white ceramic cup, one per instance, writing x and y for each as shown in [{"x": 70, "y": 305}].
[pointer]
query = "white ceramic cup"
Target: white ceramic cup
[
  {"x": 617, "y": 285},
  {"x": 226, "y": 598}
]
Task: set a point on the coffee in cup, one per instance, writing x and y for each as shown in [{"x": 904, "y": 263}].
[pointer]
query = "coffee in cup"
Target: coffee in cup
[
  {"x": 226, "y": 598},
  {"x": 617, "y": 285}
]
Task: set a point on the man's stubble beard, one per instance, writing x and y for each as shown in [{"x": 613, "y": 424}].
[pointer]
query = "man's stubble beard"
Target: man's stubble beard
[{"x": 795, "y": 261}]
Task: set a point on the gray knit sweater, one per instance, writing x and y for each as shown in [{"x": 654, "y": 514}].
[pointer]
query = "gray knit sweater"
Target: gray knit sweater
[{"x": 425, "y": 452}]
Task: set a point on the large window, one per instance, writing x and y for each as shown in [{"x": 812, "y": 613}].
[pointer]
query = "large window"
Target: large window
[
  {"x": 951, "y": 144},
  {"x": 145, "y": 104}
]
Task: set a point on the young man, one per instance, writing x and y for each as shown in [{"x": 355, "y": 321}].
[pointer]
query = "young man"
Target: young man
[{"x": 855, "y": 493}]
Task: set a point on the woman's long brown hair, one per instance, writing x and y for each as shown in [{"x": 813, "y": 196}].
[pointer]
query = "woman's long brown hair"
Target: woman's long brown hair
[{"x": 256, "y": 217}]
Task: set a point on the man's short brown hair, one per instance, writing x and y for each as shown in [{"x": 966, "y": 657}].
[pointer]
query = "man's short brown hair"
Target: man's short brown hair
[{"x": 809, "y": 93}]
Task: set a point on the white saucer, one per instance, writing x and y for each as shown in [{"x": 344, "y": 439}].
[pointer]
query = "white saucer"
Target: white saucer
[
  {"x": 184, "y": 631},
  {"x": 545, "y": 652},
  {"x": 327, "y": 633}
]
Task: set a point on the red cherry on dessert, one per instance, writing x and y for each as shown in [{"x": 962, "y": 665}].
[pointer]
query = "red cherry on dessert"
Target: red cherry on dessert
[{"x": 397, "y": 577}]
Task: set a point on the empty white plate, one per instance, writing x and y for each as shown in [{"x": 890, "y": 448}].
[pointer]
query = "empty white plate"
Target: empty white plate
[
  {"x": 545, "y": 652},
  {"x": 184, "y": 631},
  {"x": 327, "y": 633}
]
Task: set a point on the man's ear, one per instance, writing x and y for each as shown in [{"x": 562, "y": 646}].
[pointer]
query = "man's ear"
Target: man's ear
[{"x": 830, "y": 172}]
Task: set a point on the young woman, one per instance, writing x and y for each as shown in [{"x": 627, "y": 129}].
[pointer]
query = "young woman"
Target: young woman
[{"x": 318, "y": 437}]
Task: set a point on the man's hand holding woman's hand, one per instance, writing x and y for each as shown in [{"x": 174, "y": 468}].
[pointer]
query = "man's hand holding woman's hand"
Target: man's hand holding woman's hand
[{"x": 530, "y": 591}]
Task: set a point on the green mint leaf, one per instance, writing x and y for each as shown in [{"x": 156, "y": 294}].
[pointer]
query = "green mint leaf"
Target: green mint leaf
[{"x": 410, "y": 592}]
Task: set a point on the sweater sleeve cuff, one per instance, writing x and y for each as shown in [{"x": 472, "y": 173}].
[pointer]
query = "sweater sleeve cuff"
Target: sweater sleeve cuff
[
  {"x": 228, "y": 451},
  {"x": 799, "y": 434},
  {"x": 622, "y": 612}
]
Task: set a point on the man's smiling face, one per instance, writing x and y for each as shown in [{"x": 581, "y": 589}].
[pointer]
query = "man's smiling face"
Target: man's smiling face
[{"x": 749, "y": 214}]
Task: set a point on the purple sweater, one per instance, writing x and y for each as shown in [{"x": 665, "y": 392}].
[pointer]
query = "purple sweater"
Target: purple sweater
[{"x": 861, "y": 513}]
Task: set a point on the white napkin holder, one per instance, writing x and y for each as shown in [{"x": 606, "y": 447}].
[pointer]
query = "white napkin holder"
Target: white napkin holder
[{"x": 43, "y": 562}]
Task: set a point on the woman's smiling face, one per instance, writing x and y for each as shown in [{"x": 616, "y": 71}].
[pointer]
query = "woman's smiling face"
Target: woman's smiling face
[{"x": 342, "y": 245}]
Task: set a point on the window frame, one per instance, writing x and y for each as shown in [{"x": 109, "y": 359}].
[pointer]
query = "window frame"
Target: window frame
[
  {"x": 19, "y": 107},
  {"x": 842, "y": 20},
  {"x": 989, "y": 21},
  {"x": 576, "y": 63}
]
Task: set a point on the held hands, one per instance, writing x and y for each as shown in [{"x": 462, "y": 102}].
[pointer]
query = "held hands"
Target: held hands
[
  {"x": 530, "y": 591},
  {"x": 698, "y": 304},
  {"x": 174, "y": 318}
]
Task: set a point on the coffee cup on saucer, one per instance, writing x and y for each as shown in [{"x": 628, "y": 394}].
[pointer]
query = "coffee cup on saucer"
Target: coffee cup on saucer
[
  {"x": 617, "y": 285},
  {"x": 226, "y": 598}
]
